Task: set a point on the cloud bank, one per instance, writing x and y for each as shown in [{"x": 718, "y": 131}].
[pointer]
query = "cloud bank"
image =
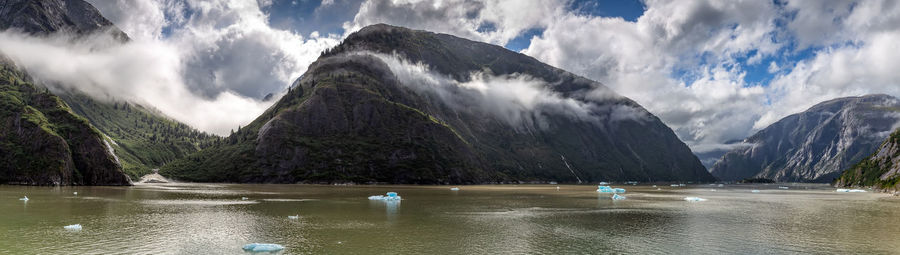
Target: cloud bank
[
  {"x": 521, "y": 101},
  {"x": 205, "y": 63}
]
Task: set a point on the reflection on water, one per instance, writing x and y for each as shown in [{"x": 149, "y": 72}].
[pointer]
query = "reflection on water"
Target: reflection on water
[{"x": 537, "y": 219}]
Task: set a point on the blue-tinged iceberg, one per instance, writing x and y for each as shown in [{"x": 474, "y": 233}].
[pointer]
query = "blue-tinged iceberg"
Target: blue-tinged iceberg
[
  {"x": 263, "y": 247},
  {"x": 608, "y": 189},
  {"x": 694, "y": 199},
  {"x": 390, "y": 196},
  {"x": 617, "y": 197}
]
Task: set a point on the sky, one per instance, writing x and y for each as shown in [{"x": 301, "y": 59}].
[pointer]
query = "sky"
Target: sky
[{"x": 714, "y": 71}]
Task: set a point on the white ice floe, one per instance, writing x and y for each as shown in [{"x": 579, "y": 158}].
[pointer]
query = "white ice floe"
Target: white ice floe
[
  {"x": 263, "y": 247},
  {"x": 73, "y": 227},
  {"x": 755, "y": 191},
  {"x": 617, "y": 197},
  {"x": 391, "y": 196},
  {"x": 608, "y": 189},
  {"x": 293, "y": 217},
  {"x": 244, "y": 198},
  {"x": 694, "y": 199},
  {"x": 850, "y": 190},
  {"x": 455, "y": 189},
  {"x": 24, "y": 198},
  {"x": 783, "y": 187}
]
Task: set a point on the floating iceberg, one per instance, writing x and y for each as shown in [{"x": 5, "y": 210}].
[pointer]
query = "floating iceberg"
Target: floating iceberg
[
  {"x": 554, "y": 183},
  {"x": 455, "y": 189},
  {"x": 721, "y": 185},
  {"x": 617, "y": 197},
  {"x": 557, "y": 187},
  {"x": 263, "y": 247},
  {"x": 674, "y": 185},
  {"x": 24, "y": 198},
  {"x": 73, "y": 227},
  {"x": 391, "y": 196},
  {"x": 603, "y": 183},
  {"x": 850, "y": 190},
  {"x": 293, "y": 217},
  {"x": 694, "y": 199},
  {"x": 783, "y": 187},
  {"x": 75, "y": 193},
  {"x": 244, "y": 198},
  {"x": 607, "y": 189},
  {"x": 755, "y": 191},
  {"x": 654, "y": 186},
  {"x": 681, "y": 185}
]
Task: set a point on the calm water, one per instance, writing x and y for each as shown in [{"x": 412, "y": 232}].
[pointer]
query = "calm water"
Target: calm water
[{"x": 537, "y": 219}]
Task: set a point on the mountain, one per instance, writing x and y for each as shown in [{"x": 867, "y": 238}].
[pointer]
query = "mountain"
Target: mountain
[
  {"x": 50, "y": 16},
  {"x": 880, "y": 170},
  {"x": 43, "y": 142},
  {"x": 356, "y": 115},
  {"x": 814, "y": 145},
  {"x": 140, "y": 139}
]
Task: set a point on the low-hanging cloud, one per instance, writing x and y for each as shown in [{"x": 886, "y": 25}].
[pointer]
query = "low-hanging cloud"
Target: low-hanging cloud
[
  {"x": 147, "y": 73},
  {"x": 519, "y": 100},
  {"x": 209, "y": 64}
]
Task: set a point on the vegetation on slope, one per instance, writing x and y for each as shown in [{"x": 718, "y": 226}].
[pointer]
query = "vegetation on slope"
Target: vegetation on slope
[
  {"x": 143, "y": 138},
  {"x": 870, "y": 172},
  {"x": 43, "y": 142}
]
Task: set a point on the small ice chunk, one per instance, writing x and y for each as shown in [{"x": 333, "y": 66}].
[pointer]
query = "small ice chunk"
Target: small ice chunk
[
  {"x": 783, "y": 187},
  {"x": 721, "y": 185},
  {"x": 681, "y": 185},
  {"x": 674, "y": 185},
  {"x": 694, "y": 199},
  {"x": 391, "y": 196},
  {"x": 603, "y": 183},
  {"x": 75, "y": 193},
  {"x": 755, "y": 191},
  {"x": 713, "y": 190},
  {"x": 455, "y": 189},
  {"x": 244, "y": 198},
  {"x": 263, "y": 247},
  {"x": 24, "y": 198},
  {"x": 553, "y": 183},
  {"x": 617, "y": 197},
  {"x": 73, "y": 227},
  {"x": 654, "y": 186},
  {"x": 608, "y": 189},
  {"x": 557, "y": 187},
  {"x": 850, "y": 190},
  {"x": 293, "y": 217}
]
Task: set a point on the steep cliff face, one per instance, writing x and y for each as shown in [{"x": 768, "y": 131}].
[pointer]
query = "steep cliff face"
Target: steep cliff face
[
  {"x": 42, "y": 142},
  {"x": 815, "y": 145},
  {"x": 353, "y": 117},
  {"x": 880, "y": 170},
  {"x": 49, "y": 16}
]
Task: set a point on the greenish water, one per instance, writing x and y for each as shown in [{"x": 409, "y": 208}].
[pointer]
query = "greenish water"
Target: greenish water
[{"x": 535, "y": 219}]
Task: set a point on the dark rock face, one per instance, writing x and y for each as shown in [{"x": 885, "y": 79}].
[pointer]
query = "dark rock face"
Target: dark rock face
[
  {"x": 351, "y": 119},
  {"x": 815, "y": 145},
  {"x": 43, "y": 143},
  {"x": 49, "y": 16}
]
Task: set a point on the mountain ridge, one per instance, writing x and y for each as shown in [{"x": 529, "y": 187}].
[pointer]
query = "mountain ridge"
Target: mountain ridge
[
  {"x": 345, "y": 95},
  {"x": 815, "y": 145}
]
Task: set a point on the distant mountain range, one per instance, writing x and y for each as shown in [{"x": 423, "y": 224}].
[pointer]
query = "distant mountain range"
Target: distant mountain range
[
  {"x": 815, "y": 145},
  {"x": 396, "y": 105}
]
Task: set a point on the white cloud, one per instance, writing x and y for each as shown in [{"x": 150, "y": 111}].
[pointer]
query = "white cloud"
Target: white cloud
[
  {"x": 489, "y": 21},
  {"x": 205, "y": 63}
]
